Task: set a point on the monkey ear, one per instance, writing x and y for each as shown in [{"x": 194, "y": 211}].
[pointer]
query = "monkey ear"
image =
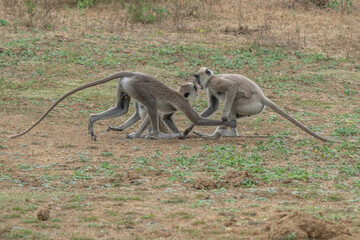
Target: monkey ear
[
  {"x": 208, "y": 72},
  {"x": 186, "y": 95}
]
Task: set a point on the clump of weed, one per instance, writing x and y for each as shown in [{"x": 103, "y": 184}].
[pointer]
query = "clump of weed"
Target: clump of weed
[
  {"x": 182, "y": 9},
  {"x": 347, "y": 131},
  {"x": 85, "y": 3},
  {"x": 4, "y": 22},
  {"x": 40, "y": 13},
  {"x": 141, "y": 11}
]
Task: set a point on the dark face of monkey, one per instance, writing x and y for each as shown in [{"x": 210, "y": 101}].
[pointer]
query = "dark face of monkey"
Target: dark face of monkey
[
  {"x": 197, "y": 80},
  {"x": 203, "y": 71}
]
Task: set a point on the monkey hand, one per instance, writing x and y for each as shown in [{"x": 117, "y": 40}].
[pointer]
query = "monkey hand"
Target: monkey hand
[
  {"x": 114, "y": 129},
  {"x": 224, "y": 118},
  {"x": 231, "y": 123},
  {"x": 187, "y": 131},
  {"x": 131, "y": 136}
]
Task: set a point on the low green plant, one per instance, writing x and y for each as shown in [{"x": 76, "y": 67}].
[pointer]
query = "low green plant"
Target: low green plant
[
  {"x": 340, "y": 5},
  {"x": 144, "y": 12},
  {"x": 352, "y": 130},
  {"x": 4, "y": 22},
  {"x": 85, "y": 3}
]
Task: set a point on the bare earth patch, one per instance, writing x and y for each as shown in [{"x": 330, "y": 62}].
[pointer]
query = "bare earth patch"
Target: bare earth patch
[{"x": 305, "y": 226}]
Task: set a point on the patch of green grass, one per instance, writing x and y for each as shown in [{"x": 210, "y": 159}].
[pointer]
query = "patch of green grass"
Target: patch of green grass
[
  {"x": 23, "y": 233},
  {"x": 31, "y": 220},
  {"x": 196, "y": 233},
  {"x": 74, "y": 205},
  {"x": 67, "y": 146},
  {"x": 181, "y": 215},
  {"x": 81, "y": 174},
  {"x": 24, "y": 208},
  {"x": 12, "y": 215},
  {"x": 148, "y": 216},
  {"x": 333, "y": 197},
  {"x": 201, "y": 203},
  {"x": 107, "y": 154},
  {"x": 352, "y": 130},
  {"x": 82, "y": 238},
  {"x": 4, "y": 22},
  {"x": 127, "y": 198},
  {"x": 91, "y": 218},
  {"x": 174, "y": 200}
]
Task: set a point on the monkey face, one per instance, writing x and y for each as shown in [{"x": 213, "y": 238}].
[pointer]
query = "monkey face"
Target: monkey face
[
  {"x": 197, "y": 80},
  {"x": 189, "y": 91},
  {"x": 203, "y": 76}
]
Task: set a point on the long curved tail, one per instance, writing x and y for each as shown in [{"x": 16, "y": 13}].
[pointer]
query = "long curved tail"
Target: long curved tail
[
  {"x": 101, "y": 81},
  {"x": 267, "y": 102}
]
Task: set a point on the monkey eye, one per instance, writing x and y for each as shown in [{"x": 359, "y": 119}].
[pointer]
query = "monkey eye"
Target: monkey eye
[
  {"x": 186, "y": 95},
  {"x": 195, "y": 87},
  {"x": 196, "y": 75}
]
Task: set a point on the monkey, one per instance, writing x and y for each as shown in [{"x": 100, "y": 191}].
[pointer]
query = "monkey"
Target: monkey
[
  {"x": 166, "y": 122},
  {"x": 147, "y": 90},
  {"x": 242, "y": 97}
]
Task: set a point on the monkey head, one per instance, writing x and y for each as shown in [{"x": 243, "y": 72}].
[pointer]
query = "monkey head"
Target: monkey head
[
  {"x": 188, "y": 91},
  {"x": 203, "y": 76}
]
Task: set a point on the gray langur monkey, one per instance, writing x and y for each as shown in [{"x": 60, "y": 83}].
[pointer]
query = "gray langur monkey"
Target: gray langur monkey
[
  {"x": 166, "y": 121},
  {"x": 147, "y": 90},
  {"x": 242, "y": 98}
]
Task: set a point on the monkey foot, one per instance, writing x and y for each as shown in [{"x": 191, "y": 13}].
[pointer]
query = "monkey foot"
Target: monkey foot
[
  {"x": 114, "y": 129},
  {"x": 131, "y": 136},
  {"x": 215, "y": 136},
  {"x": 163, "y": 136},
  {"x": 184, "y": 136},
  {"x": 92, "y": 135}
]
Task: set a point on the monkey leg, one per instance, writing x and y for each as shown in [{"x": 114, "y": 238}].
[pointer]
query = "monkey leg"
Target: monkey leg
[
  {"x": 131, "y": 121},
  {"x": 121, "y": 108},
  {"x": 168, "y": 121},
  {"x": 221, "y": 130},
  {"x": 157, "y": 134},
  {"x": 169, "y": 124},
  {"x": 140, "y": 113},
  {"x": 141, "y": 129},
  {"x": 145, "y": 124}
]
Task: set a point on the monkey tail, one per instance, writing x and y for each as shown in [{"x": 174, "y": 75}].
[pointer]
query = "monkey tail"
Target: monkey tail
[
  {"x": 267, "y": 102},
  {"x": 101, "y": 81}
]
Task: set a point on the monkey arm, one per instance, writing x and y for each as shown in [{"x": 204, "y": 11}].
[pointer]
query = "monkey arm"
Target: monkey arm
[
  {"x": 121, "y": 108},
  {"x": 229, "y": 101},
  {"x": 214, "y": 104}
]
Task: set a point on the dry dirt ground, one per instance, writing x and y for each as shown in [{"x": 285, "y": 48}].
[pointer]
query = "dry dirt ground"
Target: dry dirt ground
[
  {"x": 117, "y": 188},
  {"x": 56, "y": 183}
]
